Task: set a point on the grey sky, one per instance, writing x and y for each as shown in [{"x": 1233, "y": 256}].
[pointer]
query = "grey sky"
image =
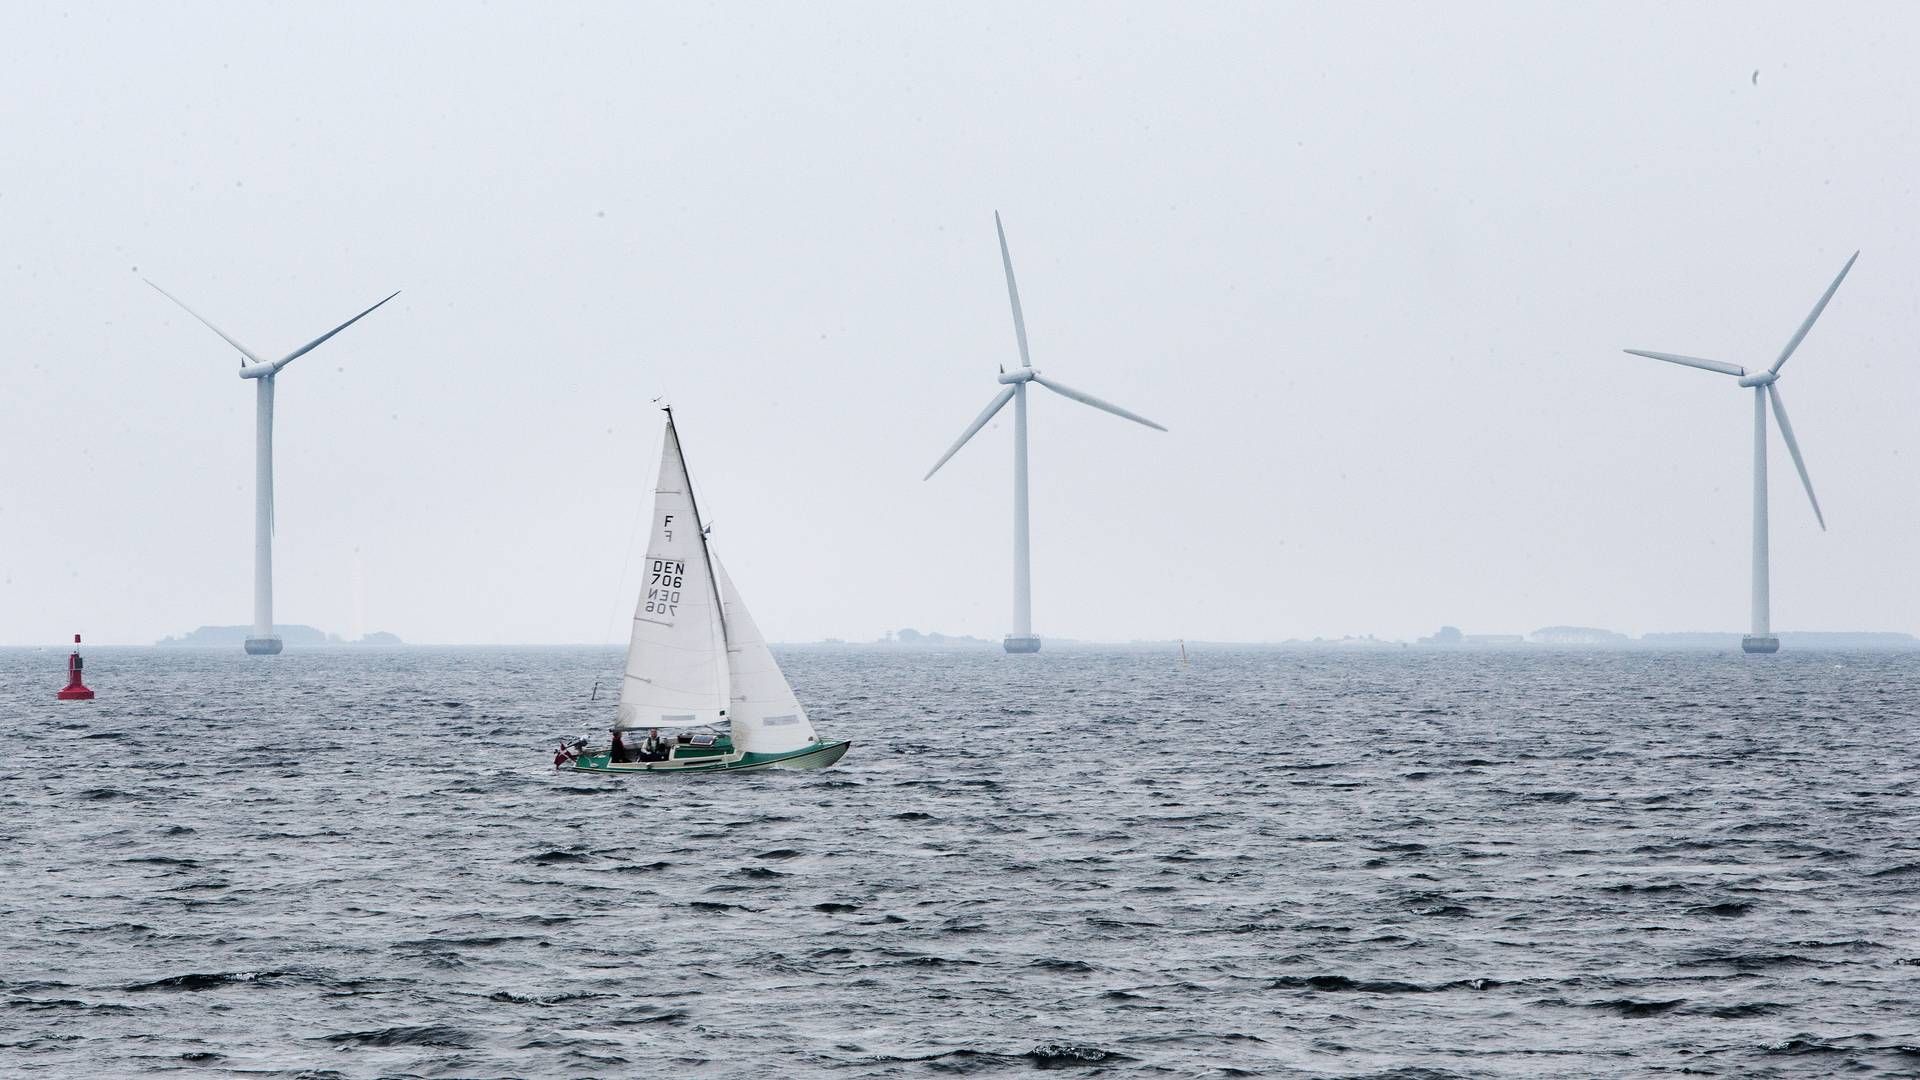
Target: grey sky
[{"x": 1371, "y": 264}]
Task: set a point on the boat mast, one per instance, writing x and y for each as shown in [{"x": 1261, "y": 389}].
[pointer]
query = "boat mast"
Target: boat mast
[{"x": 700, "y": 526}]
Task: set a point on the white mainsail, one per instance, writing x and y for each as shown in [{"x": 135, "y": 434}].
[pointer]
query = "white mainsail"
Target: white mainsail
[
  {"x": 677, "y": 659},
  {"x": 767, "y": 718}
]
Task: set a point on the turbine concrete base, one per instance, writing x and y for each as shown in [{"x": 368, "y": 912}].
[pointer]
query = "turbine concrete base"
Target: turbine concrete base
[
  {"x": 1021, "y": 644},
  {"x": 1760, "y": 643},
  {"x": 263, "y": 646}
]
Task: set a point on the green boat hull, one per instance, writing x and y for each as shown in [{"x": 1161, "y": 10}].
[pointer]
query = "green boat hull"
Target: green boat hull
[{"x": 818, "y": 756}]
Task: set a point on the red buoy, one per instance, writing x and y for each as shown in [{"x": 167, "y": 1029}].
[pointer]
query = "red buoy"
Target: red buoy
[{"x": 75, "y": 690}]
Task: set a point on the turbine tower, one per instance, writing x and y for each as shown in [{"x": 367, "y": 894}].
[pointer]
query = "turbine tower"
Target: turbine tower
[
  {"x": 1766, "y": 391},
  {"x": 1022, "y": 639},
  {"x": 262, "y": 641}
]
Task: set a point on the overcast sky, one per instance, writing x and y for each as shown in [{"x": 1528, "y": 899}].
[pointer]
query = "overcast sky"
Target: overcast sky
[{"x": 1372, "y": 265}]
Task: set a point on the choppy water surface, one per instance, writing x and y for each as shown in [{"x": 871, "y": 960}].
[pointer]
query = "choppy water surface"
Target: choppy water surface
[{"x": 1416, "y": 864}]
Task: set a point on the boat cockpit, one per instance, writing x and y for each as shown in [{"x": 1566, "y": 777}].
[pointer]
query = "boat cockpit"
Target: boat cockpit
[{"x": 668, "y": 747}]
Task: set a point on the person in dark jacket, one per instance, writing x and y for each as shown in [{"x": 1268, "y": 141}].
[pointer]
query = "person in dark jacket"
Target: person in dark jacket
[{"x": 618, "y": 751}]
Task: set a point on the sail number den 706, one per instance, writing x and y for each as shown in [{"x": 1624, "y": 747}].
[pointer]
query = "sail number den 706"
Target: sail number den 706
[{"x": 663, "y": 586}]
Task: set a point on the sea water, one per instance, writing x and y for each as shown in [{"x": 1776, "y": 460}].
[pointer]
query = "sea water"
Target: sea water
[{"x": 1402, "y": 863}]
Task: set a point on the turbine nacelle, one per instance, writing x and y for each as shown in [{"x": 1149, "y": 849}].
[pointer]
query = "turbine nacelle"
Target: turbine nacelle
[
  {"x": 259, "y": 371},
  {"x": 1018, "y": 375},
  {"x": 1760, "y": 378}
]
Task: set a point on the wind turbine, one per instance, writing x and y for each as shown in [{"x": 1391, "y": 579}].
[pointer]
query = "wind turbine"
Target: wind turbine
[
  {"x": 262, "y": 642},
  {"x": 1022, "y": 639},
  {"x": 1766, "y": 391}
]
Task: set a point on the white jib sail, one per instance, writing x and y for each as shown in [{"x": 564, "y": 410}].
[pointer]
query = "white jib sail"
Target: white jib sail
[
  {"x": 676, "y": 660},
  {"x": 767, "y": 718}
]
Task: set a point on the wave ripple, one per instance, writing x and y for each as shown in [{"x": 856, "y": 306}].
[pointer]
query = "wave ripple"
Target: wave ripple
[{"x": 1101, "y": 863}]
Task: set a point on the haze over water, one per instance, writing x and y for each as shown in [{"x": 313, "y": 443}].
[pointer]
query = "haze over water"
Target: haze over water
[{"x": 1406, "y": 863}]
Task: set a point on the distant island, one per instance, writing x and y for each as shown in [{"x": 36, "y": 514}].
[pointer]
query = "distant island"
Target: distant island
[
  {"x": 1451, "y": 635},
  {"x": 906, "y": 636},
  {"x": 910, "y": 636},
  {"x": 1805, "y": 639},
  {"x": 1577, "y": 635},
  {"x": 1595, "y": 637},
  {"x": 1363, "y": 641},
  {"x": 1447, "y": 637},
  {"x": 296, "y": 634}
]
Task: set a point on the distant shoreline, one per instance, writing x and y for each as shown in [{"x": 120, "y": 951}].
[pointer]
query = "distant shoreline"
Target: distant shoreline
[
  {"x": 302, "y": 638},
  {"x": 1193, "y": 646}
]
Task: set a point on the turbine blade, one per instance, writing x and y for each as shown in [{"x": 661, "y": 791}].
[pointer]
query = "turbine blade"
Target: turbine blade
[
  {"x": 999, "y": 402},
  {"x": 322, "y": 339},
  {"x": 1793, "y": 449},
  {"x": 1013, "y": 293},
  {"x": 1692, "y": 361},
  {"x": 1800, "y": 334},
  {"x": 1085, "y": 398},
  {"x": 244, "y": 351}
]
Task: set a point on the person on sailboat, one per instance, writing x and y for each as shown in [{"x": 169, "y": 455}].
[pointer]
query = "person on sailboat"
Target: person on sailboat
[
  {"x": 654, "y": 749},
  {"x": 618, "y": 751}
]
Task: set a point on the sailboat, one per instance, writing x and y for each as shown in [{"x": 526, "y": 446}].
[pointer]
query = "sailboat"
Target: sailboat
[{"x": 700, "y": 682}]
